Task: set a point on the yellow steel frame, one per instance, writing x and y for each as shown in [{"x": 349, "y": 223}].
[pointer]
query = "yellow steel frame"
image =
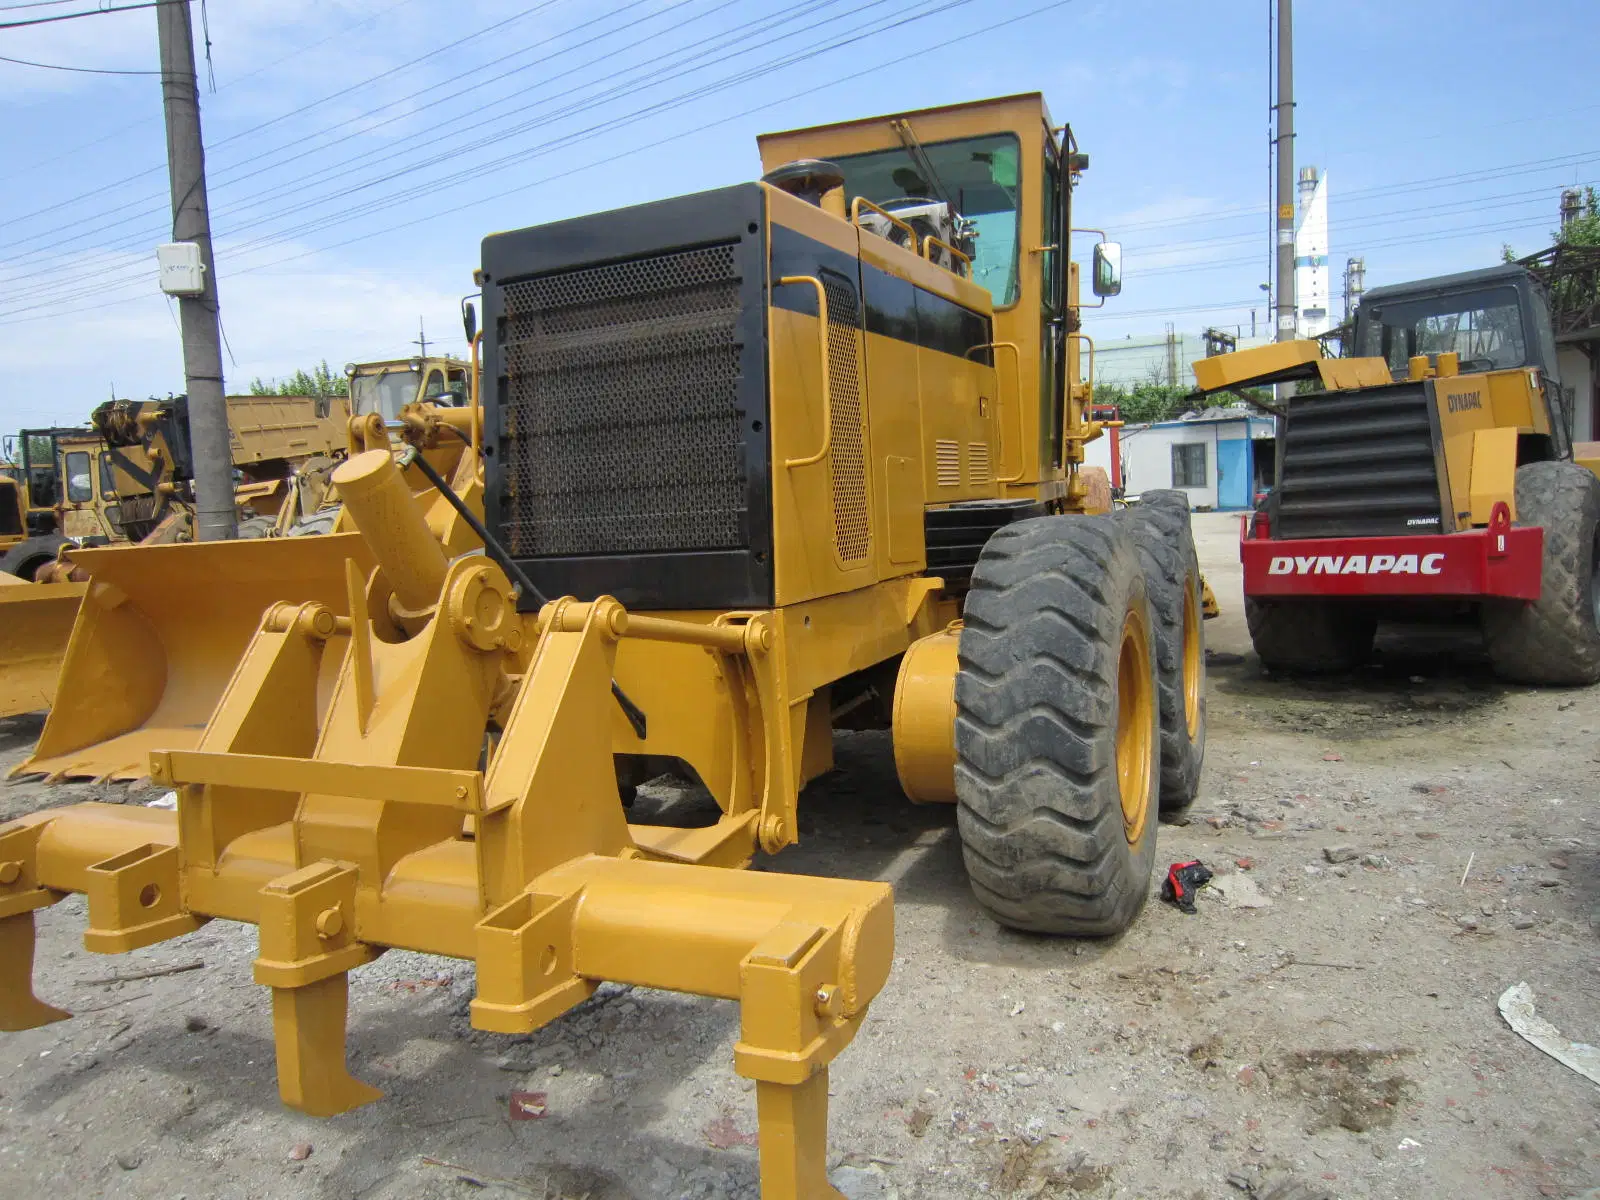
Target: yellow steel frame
[{"x": 359, "y": 822}]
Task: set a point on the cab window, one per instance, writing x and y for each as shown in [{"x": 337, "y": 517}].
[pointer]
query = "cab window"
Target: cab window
[
  {"x": 980, "y": 178},
  {"x": 80, "y": 486},
  {"x": 458, "y": 387},
  {"x": 108, "y": 476},
  {"x": 435, "y": 386}
]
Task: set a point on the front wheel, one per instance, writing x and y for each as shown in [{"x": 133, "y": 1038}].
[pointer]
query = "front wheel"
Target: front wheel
[
  {"x": 1057, "y": 728},
  {"x": 1556, "y": 638}
]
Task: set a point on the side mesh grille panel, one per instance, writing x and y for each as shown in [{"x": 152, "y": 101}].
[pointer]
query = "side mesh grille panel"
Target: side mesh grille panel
[
  {"x": 1358, "y": 464},
  {"x": 621, "y": 407},
  {"x": 947, "y": 463},
  {"x": 850, "y": 525}
]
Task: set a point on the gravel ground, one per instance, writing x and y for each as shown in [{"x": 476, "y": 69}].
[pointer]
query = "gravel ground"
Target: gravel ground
[{"x": 1397, "y": 849}]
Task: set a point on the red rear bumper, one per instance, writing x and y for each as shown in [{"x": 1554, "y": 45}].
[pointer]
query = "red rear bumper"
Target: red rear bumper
[{"x": 1502, "y": 560}]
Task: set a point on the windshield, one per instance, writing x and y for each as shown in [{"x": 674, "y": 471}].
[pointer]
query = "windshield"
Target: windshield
[
  {"x": 386, "y": 392},
  {"x": 978, "y": 176},
  {"x": 1484, "y": 328}
]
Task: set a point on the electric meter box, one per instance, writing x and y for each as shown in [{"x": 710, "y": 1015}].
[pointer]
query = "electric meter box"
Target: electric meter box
[{"x": 182, "y": 272}]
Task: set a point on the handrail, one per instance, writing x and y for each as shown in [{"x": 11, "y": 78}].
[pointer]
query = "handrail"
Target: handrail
[
  {"x": 476, "y": 401},
  {"x": 827, "y": 388},
  {"x": 1016, "y": 362},
  {"x": 1088, "y": 384},
  {"x": 1088, "y": 380},
  {"x": 859, "y": 202},
  {"x": 930, "y": 240}
]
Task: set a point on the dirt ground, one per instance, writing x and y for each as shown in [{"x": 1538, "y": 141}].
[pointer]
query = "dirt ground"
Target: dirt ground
[{"x": 1420, "y": 837}]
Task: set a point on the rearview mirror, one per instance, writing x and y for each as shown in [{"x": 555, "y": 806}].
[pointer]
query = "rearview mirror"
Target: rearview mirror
[
  {"x": 1107, "y": 268},
  {"x": 469, "y": 320}
]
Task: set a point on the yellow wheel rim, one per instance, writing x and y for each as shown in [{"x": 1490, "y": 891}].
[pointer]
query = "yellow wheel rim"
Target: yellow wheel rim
[
  {"x": 1135, "y": 725},
  {"x": 1191, "y": 663}
]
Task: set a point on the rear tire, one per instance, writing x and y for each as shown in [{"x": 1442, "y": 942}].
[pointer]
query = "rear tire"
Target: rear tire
[
  {"x": 1057, "y": 728},
  {"x": 1309, "y": 636},
  {"x": 1556, "y": 638},
  {"x": 25, "y": 559},
  {"x": 1159, "y": 525}
]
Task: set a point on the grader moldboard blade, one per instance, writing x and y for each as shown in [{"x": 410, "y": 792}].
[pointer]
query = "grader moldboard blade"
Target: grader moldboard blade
[
  {"x": 157, "y": 635},
  {"x": 35, "y": 623},
  {"x": 340, "y": 833}
]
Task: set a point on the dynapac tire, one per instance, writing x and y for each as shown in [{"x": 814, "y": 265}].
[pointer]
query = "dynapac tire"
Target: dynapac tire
[
  {"x": 1556, "y": 638},
  {"x": 1159, "y": 525},
  {"x": 1057, "y": 728},
  {"x": 1309, "y": 636}
]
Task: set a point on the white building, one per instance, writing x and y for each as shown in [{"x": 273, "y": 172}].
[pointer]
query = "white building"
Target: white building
[
  {"x": 1222, "y": 457},
  {"x": 1313, "y": 301},
  {"x": 1579, "y": 392}
]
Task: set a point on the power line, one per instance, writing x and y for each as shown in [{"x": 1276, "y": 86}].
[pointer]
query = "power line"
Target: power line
[
  {"x": 1399, "y": 216},
  {"x": 900, "y": 58},
  {"x": 576, "y": 106},
  {"x": 23, "y": 62},
  {"x": 1361, "y": 195},
  {"x": 341, "y": 93},
  {"x": 218, "y": 178},
  {"x": 277, "y": 62},
  {"x": 93, "y": 12},
  {"x": 432, "y": 186}
]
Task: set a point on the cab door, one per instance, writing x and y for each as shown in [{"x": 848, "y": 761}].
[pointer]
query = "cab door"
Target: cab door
[{"x": 78, "y": 517}]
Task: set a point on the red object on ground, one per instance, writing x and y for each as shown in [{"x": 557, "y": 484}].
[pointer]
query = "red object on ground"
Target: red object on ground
[{"x": 1502, "y": 560}]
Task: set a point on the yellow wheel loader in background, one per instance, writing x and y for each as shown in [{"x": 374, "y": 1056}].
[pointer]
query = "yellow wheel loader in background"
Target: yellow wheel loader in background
[
  {"x": 127, "y": 479},
  {"x": 753, "y": 464}
]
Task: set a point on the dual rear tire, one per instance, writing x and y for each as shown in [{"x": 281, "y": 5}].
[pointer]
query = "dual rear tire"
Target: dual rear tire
[{"x": 1058, "y": 726}]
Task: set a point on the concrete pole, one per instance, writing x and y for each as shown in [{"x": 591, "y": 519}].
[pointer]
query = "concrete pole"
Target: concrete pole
[
  {"x": 1285, "y": 298},
  {"x": 191, "y": 222}
]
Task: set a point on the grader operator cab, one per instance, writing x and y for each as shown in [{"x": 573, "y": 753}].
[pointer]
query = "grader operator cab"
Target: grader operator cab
[
  {"x": 1429, "y": 478},
  {"x": 749, "y": 471}
]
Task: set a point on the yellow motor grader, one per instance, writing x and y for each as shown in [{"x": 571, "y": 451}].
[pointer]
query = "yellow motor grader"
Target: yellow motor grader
[{"x": 750, "y": 464}]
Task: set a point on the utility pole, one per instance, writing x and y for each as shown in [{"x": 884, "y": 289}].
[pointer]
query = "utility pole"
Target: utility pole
[
  {"x": 1285, "y": 186},
  {"x": 209, "y": 441}
]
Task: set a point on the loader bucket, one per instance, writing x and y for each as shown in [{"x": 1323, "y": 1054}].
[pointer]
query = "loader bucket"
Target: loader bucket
[
  {"x": 157, "y": 638},
  {"x": 35, "y": 623}
]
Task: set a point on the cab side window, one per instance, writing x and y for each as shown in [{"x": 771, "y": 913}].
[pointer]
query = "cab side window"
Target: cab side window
[{"x": 80, "y": 486}]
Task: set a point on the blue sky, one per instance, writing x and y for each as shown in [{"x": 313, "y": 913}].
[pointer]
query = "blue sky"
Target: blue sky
[{"x": 360, "y": 149}]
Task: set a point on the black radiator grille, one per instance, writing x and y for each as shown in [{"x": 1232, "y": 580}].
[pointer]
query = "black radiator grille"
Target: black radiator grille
[
  {"x": 621, "y": 407},
  {"x": 1358, "y": 464}
]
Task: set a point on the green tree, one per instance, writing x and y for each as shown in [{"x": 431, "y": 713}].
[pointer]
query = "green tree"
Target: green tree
[
  {"x": 1582, "y": 230},
  {"x": 1573, "y": 278},
  {"x": 320, "y": 381}
]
